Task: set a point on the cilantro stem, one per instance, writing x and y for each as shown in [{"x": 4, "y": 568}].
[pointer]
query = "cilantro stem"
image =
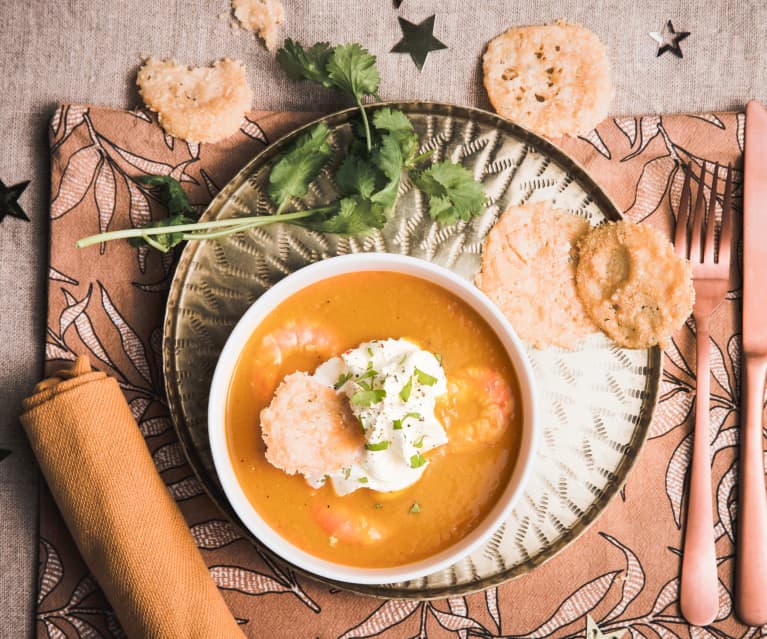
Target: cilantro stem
[
  {"x": 365, "y": 123},
  {"x": 231, "y": 225}
]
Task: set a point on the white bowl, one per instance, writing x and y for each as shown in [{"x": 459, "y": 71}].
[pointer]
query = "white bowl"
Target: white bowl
[{"x": 306, "y": 277}]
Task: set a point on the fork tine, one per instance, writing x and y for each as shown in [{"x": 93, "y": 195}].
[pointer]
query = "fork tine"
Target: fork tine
[
  {"x": 708, "y": 249},
  {"x": 698, "y": 215},
  {"x": 683, "y": 216},
  {"x": 725, "y": 236}
]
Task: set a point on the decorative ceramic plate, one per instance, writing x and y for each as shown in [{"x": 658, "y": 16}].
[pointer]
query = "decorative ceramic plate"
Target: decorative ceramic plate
[{"x": 596, "y": 402}]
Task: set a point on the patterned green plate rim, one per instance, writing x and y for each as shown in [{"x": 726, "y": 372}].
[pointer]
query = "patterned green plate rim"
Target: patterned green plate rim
[{"x": 591, "y": 440}]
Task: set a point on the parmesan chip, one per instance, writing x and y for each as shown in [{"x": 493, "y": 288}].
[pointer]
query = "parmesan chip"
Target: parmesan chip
[
  {"x": 196, "y": 104},
  {"x": 262, "y": 16},
  {"x": 552, "y": 79},
  {"x": 633, "y": 284},
  {"x": 528, "y": 270}
]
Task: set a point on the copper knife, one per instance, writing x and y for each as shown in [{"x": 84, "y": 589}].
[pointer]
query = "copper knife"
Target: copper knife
[{"x": 751, "y": 575}]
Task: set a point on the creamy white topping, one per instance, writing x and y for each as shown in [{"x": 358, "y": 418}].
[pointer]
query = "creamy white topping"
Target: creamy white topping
[{"x": 392, "y": 386}]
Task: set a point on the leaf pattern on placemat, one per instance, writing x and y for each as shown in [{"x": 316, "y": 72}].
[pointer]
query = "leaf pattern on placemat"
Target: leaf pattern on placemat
[{"x": 623, "y": 572}]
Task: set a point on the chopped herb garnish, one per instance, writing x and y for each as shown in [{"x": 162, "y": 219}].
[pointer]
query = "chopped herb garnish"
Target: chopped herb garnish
[
  {"x": 417, "y": 460},
  {"x": 363, "y": 480},
  {"x": 403, "y": 360},
  {"x": 370, "y": 354},
  {"x": 368, "y": 397},
  {"x": 404, "y": 394},
  {"x": 377, "y": 445},
  {"x": 415, "y": 508},
  {"x": 369, "y": 374},
  {"x": 425, "y": 378},
  {"x": 370, "y": 363},
  {"x": 325, "y": 478},
  {"x": 342, "y": 379},
  {"x": 347, "y": 472},
  {"x": 397, "y": 423},
  {"x": 362, "y": 425},
  {"x": 419, "y": 443},
  {"x": 438, "y": 357},
  {"x": 363, "y": 384},
  {"x": 378, "y": 506}
]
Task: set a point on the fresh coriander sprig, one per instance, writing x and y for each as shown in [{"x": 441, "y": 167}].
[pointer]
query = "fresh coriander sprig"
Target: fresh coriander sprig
[
  {"x": 367, "y": 180},
  {"x": 347, "y": 67}
]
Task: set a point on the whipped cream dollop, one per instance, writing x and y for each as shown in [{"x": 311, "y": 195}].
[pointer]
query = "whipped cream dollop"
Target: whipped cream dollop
[{"x": 392, "y": 386}]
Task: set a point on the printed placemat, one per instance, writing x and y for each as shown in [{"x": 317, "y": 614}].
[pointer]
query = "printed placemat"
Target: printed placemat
[{"x": 624, "y": 572}]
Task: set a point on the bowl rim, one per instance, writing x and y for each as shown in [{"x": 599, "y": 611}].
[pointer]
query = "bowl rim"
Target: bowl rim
[{"x": 329, "y": 268}]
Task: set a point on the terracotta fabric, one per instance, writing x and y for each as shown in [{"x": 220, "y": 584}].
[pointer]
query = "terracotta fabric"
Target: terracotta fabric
[
  {"x": 126, "y": 525},
  {"x": 624, "y": 571}
]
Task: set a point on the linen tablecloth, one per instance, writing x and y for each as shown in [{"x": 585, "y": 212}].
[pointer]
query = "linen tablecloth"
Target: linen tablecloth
[{"x": 623, "y": 571}]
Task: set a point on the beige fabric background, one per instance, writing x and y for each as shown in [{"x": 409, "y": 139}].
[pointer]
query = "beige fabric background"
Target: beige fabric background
[{"x": 76, "y": 50}]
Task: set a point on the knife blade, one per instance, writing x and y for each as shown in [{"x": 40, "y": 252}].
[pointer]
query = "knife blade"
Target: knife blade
[{"x": 751, "y": 575}]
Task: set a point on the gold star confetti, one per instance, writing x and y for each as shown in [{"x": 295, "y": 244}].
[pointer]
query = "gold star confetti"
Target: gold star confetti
[
  {"x": 668, "y": 40},
  {"x": 8, "y": 200},
  {"x": 418, "y": 40}
]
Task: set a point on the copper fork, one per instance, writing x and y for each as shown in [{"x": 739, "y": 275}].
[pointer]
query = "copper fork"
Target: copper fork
[{"x": 699, "y": 590}]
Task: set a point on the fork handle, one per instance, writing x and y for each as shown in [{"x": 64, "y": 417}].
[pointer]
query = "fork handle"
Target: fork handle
[
  {"x": 699, "y": 589},
  {"x": 751, "y": 579}
]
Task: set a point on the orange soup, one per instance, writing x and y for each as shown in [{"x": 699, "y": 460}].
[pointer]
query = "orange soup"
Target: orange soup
[{"x": 464, "y": 478}]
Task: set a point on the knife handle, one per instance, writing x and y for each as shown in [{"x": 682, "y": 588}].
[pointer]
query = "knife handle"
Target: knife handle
[{"x": 751, "y": 576}]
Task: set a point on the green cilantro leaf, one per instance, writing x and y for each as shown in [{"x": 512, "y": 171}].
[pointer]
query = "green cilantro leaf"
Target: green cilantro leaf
[
  {"x": 419, "y": 442},
  {"x": 394, "y": 121},
  {"x": 309, "y": 64},
  {"x": 356, "y": 176},
  {"x": 170, "y": 193},
  {"x": 397, "y": 424},
  {"x": 417, "y": 460},
  {"x": 363, "y": 480},
  {"x": 424, "y": 378},
  {"x": 404, "y": 394},
  {"x": 292, "y": 174},
  {"x": 388, "y": 158},
  {"x": 342, "y": 379},
  {"x": 347, "y": 472},
  {"x": 350, "y": 216},
  {"x": 415, "y": 508},
  {"x": 383, "y": 445},
  {"x": 453, "y": 192},
  {"x": 398, "y": 125},
  {"x": 352, "y": 68},
  {"x": 367, "y": 398}
]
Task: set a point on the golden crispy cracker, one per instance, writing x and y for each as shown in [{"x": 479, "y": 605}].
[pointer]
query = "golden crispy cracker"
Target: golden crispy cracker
[
  {"x": 552, "y": 79},
  {"x": 528, "y": 270},
  {"x": 197, "y": 104},
  {"x": 261, "y": 16},
  {"x": 633, "y": 285}
]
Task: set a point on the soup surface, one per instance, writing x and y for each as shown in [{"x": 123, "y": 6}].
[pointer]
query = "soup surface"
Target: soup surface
[{"x": 464, "y": 478}]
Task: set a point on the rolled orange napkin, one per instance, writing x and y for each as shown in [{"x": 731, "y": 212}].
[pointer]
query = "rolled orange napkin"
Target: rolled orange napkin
[{"x": 125, "y": 523}]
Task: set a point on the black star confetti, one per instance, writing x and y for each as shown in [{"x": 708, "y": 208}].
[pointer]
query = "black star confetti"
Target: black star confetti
[
  {"x": 668, "y": 40},
  {"x": 418, "y": 40},
  {"x": 8, "y": 200}
]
